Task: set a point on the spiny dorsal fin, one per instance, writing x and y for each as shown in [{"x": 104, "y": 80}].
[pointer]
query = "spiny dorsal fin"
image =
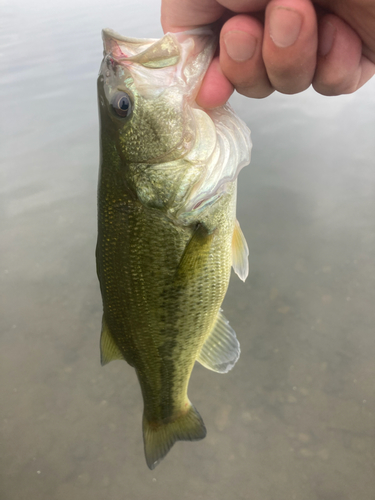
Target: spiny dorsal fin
[
  {"x": 221, "y": 350},
  {"x": 240, "y": 253},
  {"x": 108, "y": 349}
]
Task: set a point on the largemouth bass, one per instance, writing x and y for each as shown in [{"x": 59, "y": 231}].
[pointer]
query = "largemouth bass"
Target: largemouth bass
[{"x": 168, "y": 234}]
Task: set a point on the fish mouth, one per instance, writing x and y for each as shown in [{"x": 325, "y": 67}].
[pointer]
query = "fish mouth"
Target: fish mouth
[
  {"x": 149, "y": 52},
  {"x": 173, "y": 49}
]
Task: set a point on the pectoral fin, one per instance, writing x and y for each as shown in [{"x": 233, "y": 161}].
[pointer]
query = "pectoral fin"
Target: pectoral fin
[
  {"x": 240, "y": 253},
  {"x": 108, "y": 349},
  {"x": 221, "y": 350},
  {"x": 196, "y": 254}
]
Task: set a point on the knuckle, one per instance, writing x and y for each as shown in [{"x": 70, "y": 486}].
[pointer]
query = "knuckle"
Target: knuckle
[
  {"x": 336, "y": 84},
  {"x": 291, "y": 84},
  {"x": 292, "y": 77}
]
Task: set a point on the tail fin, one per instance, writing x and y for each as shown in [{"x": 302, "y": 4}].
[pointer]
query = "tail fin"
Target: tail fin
[{"x": 160, "y": 437}]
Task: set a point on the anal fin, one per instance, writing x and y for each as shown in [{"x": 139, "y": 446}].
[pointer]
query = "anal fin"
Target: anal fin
[
  {"x": 108, "y": 349},
  {"x": 221, "y": 350},
  {"x": 240, "y": 253}
]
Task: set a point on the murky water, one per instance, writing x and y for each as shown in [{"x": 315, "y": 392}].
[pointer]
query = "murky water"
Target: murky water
[{"x": 295, "y": 419}]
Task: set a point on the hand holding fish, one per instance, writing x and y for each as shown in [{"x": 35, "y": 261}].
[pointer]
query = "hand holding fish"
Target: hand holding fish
[{"x": 283, "y": 45}]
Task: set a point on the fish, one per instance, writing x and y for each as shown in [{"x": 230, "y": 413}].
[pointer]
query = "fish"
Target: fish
[{"x": 167, "y": 228}]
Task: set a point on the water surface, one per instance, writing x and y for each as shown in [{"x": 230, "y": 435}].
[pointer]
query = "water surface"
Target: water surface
[{"x": 295, "y": 419}]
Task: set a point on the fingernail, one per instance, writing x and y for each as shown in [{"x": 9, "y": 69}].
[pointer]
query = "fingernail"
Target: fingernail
[
  {"x": 285, "y": 25},
  {"x": 327, "y": 34},
  {"x": 240, "y": 45}
]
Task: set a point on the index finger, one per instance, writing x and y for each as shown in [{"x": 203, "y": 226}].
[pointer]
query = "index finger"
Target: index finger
[{"x": 181, "y": 15}]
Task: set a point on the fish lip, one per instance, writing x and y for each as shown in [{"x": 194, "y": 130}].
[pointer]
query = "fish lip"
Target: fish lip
[
  {"x": 110, "y": 33},
  {"x": 110, "y": 36}
]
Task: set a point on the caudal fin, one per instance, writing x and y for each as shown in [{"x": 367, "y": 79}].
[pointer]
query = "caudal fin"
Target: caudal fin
[{"x": 160, "y": 437}]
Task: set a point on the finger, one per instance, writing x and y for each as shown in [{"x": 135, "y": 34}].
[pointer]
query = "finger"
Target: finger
[
  {"x": 180, "y": 15},
  {"x": 241, "y": 58},
  {"x": 290, "y": 44},
  {"x": 215, "y": 89},
  {"x": 341, "y": 67}
]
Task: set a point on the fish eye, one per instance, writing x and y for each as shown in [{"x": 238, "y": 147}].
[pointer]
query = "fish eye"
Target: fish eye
[{"x": 121, "y": 104}]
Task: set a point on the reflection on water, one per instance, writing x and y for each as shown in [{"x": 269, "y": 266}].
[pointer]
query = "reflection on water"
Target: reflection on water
[{"x": 295, "y": 419}]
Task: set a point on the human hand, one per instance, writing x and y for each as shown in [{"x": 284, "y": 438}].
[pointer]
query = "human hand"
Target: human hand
[{"x": 284, "y": 45}]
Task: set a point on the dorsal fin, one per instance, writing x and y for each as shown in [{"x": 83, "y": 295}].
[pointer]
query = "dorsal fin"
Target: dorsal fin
[
  {"x": 221, "y": 350},
  {"x": 108, "y": 349},
  {"x": 240, "y": 253}
]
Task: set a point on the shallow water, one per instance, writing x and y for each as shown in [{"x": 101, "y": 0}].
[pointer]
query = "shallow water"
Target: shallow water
[{"x": 295, "y": 419}]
